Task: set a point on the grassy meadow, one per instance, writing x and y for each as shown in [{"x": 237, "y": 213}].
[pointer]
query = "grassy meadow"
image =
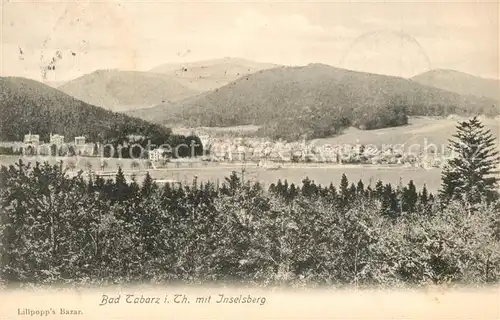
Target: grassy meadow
[
  {"x": 323, "y": 176},
  {"x": 186, "y": 172},
  {"x": 420, "y": 131}
]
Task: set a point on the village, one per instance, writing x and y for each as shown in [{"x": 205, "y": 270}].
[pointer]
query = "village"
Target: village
[
  {"x": 261, "y": 151},
  {"x": 266, "y": 152}
]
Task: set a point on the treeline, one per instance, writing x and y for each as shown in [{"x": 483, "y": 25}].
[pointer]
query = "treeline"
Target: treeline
[
  {"x": 11, "y": 151},
  {"x": 311, "y": 123},
  {"x": 61, "y": 229}
]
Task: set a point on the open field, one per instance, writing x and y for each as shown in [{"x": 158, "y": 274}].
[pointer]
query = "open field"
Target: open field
[
  {"x": 234, "y": 131},
  {"x": 420, "y": 131},
  {"x": 93, "y": 163},
  {"x": 323, "y": 174}
]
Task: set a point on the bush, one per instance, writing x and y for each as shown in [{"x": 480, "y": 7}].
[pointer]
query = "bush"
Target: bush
[{"x": 56, "y": 229}]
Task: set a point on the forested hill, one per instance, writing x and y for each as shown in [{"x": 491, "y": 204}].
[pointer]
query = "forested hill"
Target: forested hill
[
  {"x": 461, "y": 83},
  {"x": 313, "y": 99},
  {"x": 27, "y": 105}
]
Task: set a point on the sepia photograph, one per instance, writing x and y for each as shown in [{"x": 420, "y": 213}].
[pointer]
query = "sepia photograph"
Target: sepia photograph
[{"x": 276, "y": 159}]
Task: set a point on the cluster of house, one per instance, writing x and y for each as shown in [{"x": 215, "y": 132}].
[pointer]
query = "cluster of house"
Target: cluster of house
[
  {"x": 57, "y": 139},
  {"x": 80, "y": 146},
  {"x": 261, "y": 150},
  {"x": 258, "y": 149}
]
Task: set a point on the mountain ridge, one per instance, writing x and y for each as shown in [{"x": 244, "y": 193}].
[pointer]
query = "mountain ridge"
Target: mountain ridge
[
  {"x": 460, "y": 82},
  {"x": 121, "y": 90},
  {"x": 211, "y": 74},
  {"x": 276, "y": 96}
]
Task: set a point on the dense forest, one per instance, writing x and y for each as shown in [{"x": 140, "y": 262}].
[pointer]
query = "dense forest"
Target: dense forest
[{"x": 57, "y": 229}]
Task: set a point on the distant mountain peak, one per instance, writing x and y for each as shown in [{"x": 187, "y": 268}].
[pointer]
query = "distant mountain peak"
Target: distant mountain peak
[
  {"x": 98, "y": 71},
  {"x": 460, "y": 82},
  {"x": 319, "y": 65},
  {"x": 120, "y": 90},
  {"x": 207, "y": 75}
]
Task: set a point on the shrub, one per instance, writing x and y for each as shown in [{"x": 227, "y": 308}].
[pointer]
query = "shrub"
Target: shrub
[{"x": 57, "y": 229}]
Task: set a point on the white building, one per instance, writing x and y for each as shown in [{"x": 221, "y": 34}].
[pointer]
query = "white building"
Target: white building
[
  {"x": 157, "y": 154},
  {"x": 86, "y": 149},
  {"x": 79, "y": 141},
  {"x": 56, "y": 139},
  {"x": 31, "y": 138}
]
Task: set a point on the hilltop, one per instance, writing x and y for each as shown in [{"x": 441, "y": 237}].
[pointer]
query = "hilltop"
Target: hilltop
[
  {"x": 459, "y": 82},
  {"x": 120, "y": 90},
  {"x": 54, "y": 84},
  {"x": 211, "y": 74},
  {"x": 28, "y": 105},
  {"x": 315, "y": 100}
]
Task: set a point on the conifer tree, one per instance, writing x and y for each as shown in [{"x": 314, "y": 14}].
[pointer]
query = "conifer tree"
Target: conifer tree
[
  {"x": 352, "y": 191},
  {"x": 255, "y": 188},
  {"x": 120, "y": 177},
  {"x": 331, "y": 187},
  {"x": 233, "y": 182},
  {"x": 332, "y": 192},
  {"x": 308, "y": 188},
  {"x": 344, "y": 190},
  {"x": 431, "y": 198},
  {"x": 293, "y": 192},
  {"x": 424, "y": 196},
  {"x": 323, "y": 191},
  {"x": 425, "y": 200},
  {"x": 99, "y": 183},
  {"x": 90, "y": 185},
  {"x": 410, "y": 197},
  {"x": 166, "y": 194},
  {"x": 344, "y": 185},
  {"x": 120, "y": 186},
  {"x": 389, "y": 201},
  {"x": 285, "y": 188},
  {"x": 360, "y": 187},
  {"x": 469, "y": 174},
  {"x": 379, "y": 189},
  {"x": 369, "y": 192},
  {"x": 272, "y": 188},
  {"x": 147, "y": 185},
  {"x": 134, "y": 189},
  {"x": 279, "y": 188}
]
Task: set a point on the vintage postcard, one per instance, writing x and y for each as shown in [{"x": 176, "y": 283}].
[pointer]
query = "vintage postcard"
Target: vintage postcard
[{"x": 254, "y": 159}]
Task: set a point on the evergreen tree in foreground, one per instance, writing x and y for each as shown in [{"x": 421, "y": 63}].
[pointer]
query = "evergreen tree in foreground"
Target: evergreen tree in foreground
[
  {"x": 409, "y": 197},
  {"x": 469, "y": 174}
]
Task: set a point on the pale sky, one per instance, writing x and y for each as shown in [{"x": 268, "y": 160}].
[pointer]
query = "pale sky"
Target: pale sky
[{"x": 398, "y": 38}]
